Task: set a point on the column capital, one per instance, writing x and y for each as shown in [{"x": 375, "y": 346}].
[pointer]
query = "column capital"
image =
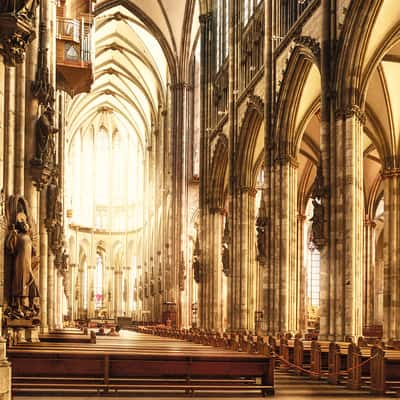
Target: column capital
[
  {"x": 350, "y": 111},
  {"x": 250, "y": 190},
  {"x": 16, "y": 32},
  {"x": 390, "y": 173},
  {"x": 204, "y": 18},
  {"x": 301, "y": 217},
  {"x": 369, "y": 223},
  {"x": 284, "y": 159},
  {"x": 217, "y": 210}
]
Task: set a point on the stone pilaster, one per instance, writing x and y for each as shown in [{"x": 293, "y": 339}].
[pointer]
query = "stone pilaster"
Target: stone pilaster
[
  {"x": 51, "y": 293},
  {"x": 43, "y": 238},
  {"x": 205, "y": 128},
  {"x": 19, "y": 162},
  {"x": 391, "y": 249},
  {"x": 9, "y": 129},
  {"x": 212, "y": 269},
  {"x": 301, "y": 275},
  {"x": 341, "y": 284},
  {"x": 243, "y": 288},
  {"x": 369, "y": 272},
  {"x": 285, "y": 262}
]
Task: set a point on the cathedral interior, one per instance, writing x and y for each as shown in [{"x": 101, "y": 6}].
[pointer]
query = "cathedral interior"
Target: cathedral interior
[{"x": 223, "y": 167}]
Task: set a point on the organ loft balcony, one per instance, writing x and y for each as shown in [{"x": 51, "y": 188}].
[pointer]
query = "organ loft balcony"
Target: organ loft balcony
[{"x": 75, "y": 47}]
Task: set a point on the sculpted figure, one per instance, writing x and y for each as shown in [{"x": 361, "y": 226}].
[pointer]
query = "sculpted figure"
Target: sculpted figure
[
  {"x": 24, "y": 289},
  {"x": 43, "y": 130},
  {"x": 317, "y": 220}
]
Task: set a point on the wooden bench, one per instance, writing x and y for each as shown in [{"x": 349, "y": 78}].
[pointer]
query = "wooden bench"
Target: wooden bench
[
  {"x": 338, "y": 362},
  {"x": 359, "y": 369},
  {"x": 385, "y": 370},
  {"x": 319, "y": 358},
  {"x": 68, "y": 338},
  {"x": 142, "y": 363},
  {"x": 302, "y": 354}
]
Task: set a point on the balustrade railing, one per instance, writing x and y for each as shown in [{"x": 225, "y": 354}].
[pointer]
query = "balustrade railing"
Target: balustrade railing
[{"x": 287, "y": 14}]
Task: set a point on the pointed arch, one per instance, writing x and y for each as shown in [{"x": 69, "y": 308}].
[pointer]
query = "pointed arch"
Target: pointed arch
[
  {"x": 295, "y": 77},
  {"x": 249, "y": 132},
  {"x": 353, "y": 43},
  {"x": 219, "y": 166}
]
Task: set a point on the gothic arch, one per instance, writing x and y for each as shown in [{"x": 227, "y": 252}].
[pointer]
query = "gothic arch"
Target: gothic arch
[
  {"x": 219, "y": 166},
  {"x": 248, "y": 137},
  {"x": 353, "y": 44},
  {"x": 294, "y": 81}
]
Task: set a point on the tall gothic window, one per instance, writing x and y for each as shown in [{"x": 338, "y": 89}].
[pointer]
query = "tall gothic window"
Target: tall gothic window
[
  {"x": 222, "y": 31},
  {"x": 107, "y": 176}
]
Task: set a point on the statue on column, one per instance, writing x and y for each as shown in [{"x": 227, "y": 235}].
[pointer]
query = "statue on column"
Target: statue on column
[
  {"x": 196, "y": 265},
  {"x": 261, "y": 224},
  {"x": 317, "y": 194},
  {"x": 44, "y": 131},
  {"x": 225, "y": 249},
  {"x": 21, "y": 243}
]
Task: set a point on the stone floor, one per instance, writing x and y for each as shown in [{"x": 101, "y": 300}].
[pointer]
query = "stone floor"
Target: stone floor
[{"x": 288, "y": 386}]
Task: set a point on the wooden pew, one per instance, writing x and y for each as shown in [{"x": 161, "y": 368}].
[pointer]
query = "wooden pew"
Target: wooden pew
[
  {"x": 385, "y": 370},
  {"x": 302, "y": 354},
  {"x": 359, "y": 369},
  {"x": 338, "y": 362},
  {"x": 146, "y": 363},
  {"x": 319, "y": 358},
  {"x": 68, "y": 338}
]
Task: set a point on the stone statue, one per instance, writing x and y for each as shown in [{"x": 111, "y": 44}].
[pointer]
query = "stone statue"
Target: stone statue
[
  {"x": 52, "y": 196},
  {"x": 196, "y": 269},
  {"x": 44, "y": 130},
  {"x": 24, "y": 289},
  {"x": 225, "y": 249},
  {"x": 260, "y": 242},
  {"x": 317, "y": 221}
]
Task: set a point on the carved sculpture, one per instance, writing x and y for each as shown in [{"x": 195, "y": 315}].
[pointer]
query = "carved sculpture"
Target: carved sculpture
[
  {"x": 196, "y": 261},
  {"x": 261, "y": 224},
  {"x": 225, "y": 249},
  {"x": 44, "y": 131},
  {"x": 21, "y": 243},
  {"x": 317, "y": 194}
]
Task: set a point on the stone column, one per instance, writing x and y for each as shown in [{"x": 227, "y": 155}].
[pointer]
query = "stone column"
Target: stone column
[
  {"x": 212, "y": 270},
  {"x": 283, "y": 314},
  {"x": 301, "y": 274},
  {"x": 206, "y": 69},
  {"x": 242, "y": 305},
  {"x": 2, "y": 117},
  {"x": 391, "y": 254},
  {"x": 50, "y": 290},
  {"x": 342, "y": 300},
  {"x": 91, "y": 290},
  {"x": 43, "y": 237},
  {"x": 31, "y": 114},
  {"x": 20, "y": 130},
  {"x": 2, "y": 150},
  {"x": 9, "y": 129},
  {"x": 118, "y": 293},
  {"x": 369, "y": 272}
]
